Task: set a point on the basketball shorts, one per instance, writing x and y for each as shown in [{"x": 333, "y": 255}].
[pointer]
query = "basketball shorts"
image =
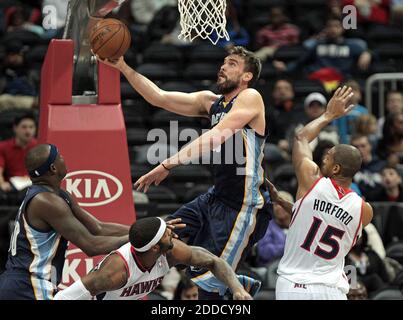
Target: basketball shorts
[
  {"x": 17, "y": 285},
  {"x": 288, "y": 290},
  {"x": 222, "y": 230}
]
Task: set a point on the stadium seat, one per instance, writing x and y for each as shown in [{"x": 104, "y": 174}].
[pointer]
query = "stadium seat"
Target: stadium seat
[
  {"x": 389, "y": 50},
  {"x": 136, "y": 136},
  {"x": 163, "y": 118},
  {"x": 268, "y": 71},
  {"x": 138, "y": 170},
  {"x": 161, "y": 194},
  {"x": 163, "y": 53},
  {"x": 388, "y": 294},
  {"x": 151, "y": 154},
  {"x": 207, "y": 53},
  {"x": 26, "y": 37},
  {"x": 180, "y": 86},
  {"x": 159, "y": 71},
  {"x": 304, "y": 87},
  {"x": 395, "y": 251},
  {"x": 36, "y": 54},
  {"x": 383, "y": 33},
  {"x": 127, "y": 92},
  {"x": 289, "y": 53},
  {"x": 284, "y": 178},
  {"x": 201, "y": 71}
]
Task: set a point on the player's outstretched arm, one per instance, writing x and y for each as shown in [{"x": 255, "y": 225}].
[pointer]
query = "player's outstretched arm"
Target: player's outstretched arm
[
  {"x": 306, "y": 170},
  {"x": 246, "y": 108},
  {"x": 112, "y": 275},
  {"x": 202, "y": 258},
  {"x": 196, "y": 104},
  {"x": 54, "y": 211}
]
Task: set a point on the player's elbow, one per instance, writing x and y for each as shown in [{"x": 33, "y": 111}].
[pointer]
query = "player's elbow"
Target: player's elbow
[{"x": 299, "y": 135}]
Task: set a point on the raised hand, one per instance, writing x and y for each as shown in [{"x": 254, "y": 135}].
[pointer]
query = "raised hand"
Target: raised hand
[
  {"x": 175, "y": 224},
  {"x": 155, "y": 176},
  {"x": 339, "y": 105},
  {"x": 118, "y": 64}
]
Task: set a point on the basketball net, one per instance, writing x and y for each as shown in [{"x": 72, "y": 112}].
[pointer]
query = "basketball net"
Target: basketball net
[{"x": 203, "y": 18}]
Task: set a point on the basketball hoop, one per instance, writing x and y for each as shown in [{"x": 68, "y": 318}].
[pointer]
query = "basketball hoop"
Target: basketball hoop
[{"x": 203, "y": 18}]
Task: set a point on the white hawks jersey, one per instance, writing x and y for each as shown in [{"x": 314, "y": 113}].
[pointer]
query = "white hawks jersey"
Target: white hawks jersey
[
  {"x": 140, "y": 281},
  {"x": 325, "y": 225}
]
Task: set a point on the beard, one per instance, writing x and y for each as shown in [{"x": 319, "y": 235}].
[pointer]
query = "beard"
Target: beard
[
  {"x": 227, "y": 86},
  {"x": 166, "y": 247}
]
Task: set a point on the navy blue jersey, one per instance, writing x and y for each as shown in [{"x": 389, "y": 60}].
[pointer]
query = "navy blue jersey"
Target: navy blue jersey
[
  {"x": 39, "y": 254},
  {"x": 238, "y": 163}
]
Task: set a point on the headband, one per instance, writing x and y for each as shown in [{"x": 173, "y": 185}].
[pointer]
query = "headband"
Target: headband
[
  {"x": 156, "y": 238},
  {"x": 42, "y": 169}
]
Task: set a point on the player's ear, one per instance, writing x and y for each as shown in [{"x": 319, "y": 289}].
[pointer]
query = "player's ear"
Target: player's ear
[
  {"x": 53, "y": 167},
  {"x": 336, "y": 169},
  {"x": 247, "y": 76}
]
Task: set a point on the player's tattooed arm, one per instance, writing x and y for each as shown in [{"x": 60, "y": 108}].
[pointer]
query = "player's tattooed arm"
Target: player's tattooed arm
[
  {"x": 202, "y": 258},
  {"x": 112, "y": 275}
]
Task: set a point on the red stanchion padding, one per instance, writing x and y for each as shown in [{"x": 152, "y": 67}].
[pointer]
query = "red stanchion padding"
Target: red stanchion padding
[{"x": 92, "y": 139}]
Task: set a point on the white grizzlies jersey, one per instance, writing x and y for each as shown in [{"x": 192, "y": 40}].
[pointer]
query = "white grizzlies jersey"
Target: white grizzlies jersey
[
  {"x": 325, "y": 225},
  {"x": 140, "y": 281}
]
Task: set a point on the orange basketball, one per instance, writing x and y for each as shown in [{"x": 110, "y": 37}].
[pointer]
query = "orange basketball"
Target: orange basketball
[{"x": 110, "y": 38}]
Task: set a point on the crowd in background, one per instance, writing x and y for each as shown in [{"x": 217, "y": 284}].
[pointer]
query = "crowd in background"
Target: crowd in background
[{"x": 307, "y": 52}]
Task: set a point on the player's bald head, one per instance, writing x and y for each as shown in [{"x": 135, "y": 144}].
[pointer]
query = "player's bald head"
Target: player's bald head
[
  {"x": 37, "y": 156},
  {"x": 349, "y": 159}
]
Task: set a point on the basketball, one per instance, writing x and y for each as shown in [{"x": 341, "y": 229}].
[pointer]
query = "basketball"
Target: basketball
[{"x": 110, "y": 39}]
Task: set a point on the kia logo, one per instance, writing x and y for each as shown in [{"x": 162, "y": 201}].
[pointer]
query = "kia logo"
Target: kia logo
[{"x": 93, "y": 188}]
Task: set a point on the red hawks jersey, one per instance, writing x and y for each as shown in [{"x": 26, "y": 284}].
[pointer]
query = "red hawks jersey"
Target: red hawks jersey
[
  {"x": 325, "y": 225},
  {"x": 140, "y": 281}
]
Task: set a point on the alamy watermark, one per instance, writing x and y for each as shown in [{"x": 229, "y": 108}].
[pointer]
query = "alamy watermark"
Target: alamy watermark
[
  {"x": 239, "y": 146},
  {"x": 350, "y": 17}
]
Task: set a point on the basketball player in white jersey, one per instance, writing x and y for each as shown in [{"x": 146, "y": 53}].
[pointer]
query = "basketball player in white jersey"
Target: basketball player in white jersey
[
  {"x": 138, "y": 267},
  {"x": 327, "y": 217}
]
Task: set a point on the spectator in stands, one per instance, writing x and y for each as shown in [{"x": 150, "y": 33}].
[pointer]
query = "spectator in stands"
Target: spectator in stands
[
  {"x": 368, "y": 178},
  {"x": 391, "y": 144},
  {"x": 330, "y": 58},
  {"x": 17, "y": 18},
  {"x": 346, "y": 125},
  {"x": 358, "y": 293},
  {"x": 283, "y": 111},
  {"x": 397, "y": 13},
  {"x": 186, "y": 290},
  {"x": 238, "y": 35},
  {"x": 394, "y": 104},
  {"x": 18, "y": 91},
  {"x": 367, "y": 125},
  {"x": 13, "y": 151},
  {"x": 143, "y": 11},
  {"x": 271, "y": 246},
  {"x": 279, "y": 33},
  {"x": 370, "y": 11},
  {"x": 391, "y": 190},
  {"x": 315, "y": 106},
  {"x": 371, "y": 269}
]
